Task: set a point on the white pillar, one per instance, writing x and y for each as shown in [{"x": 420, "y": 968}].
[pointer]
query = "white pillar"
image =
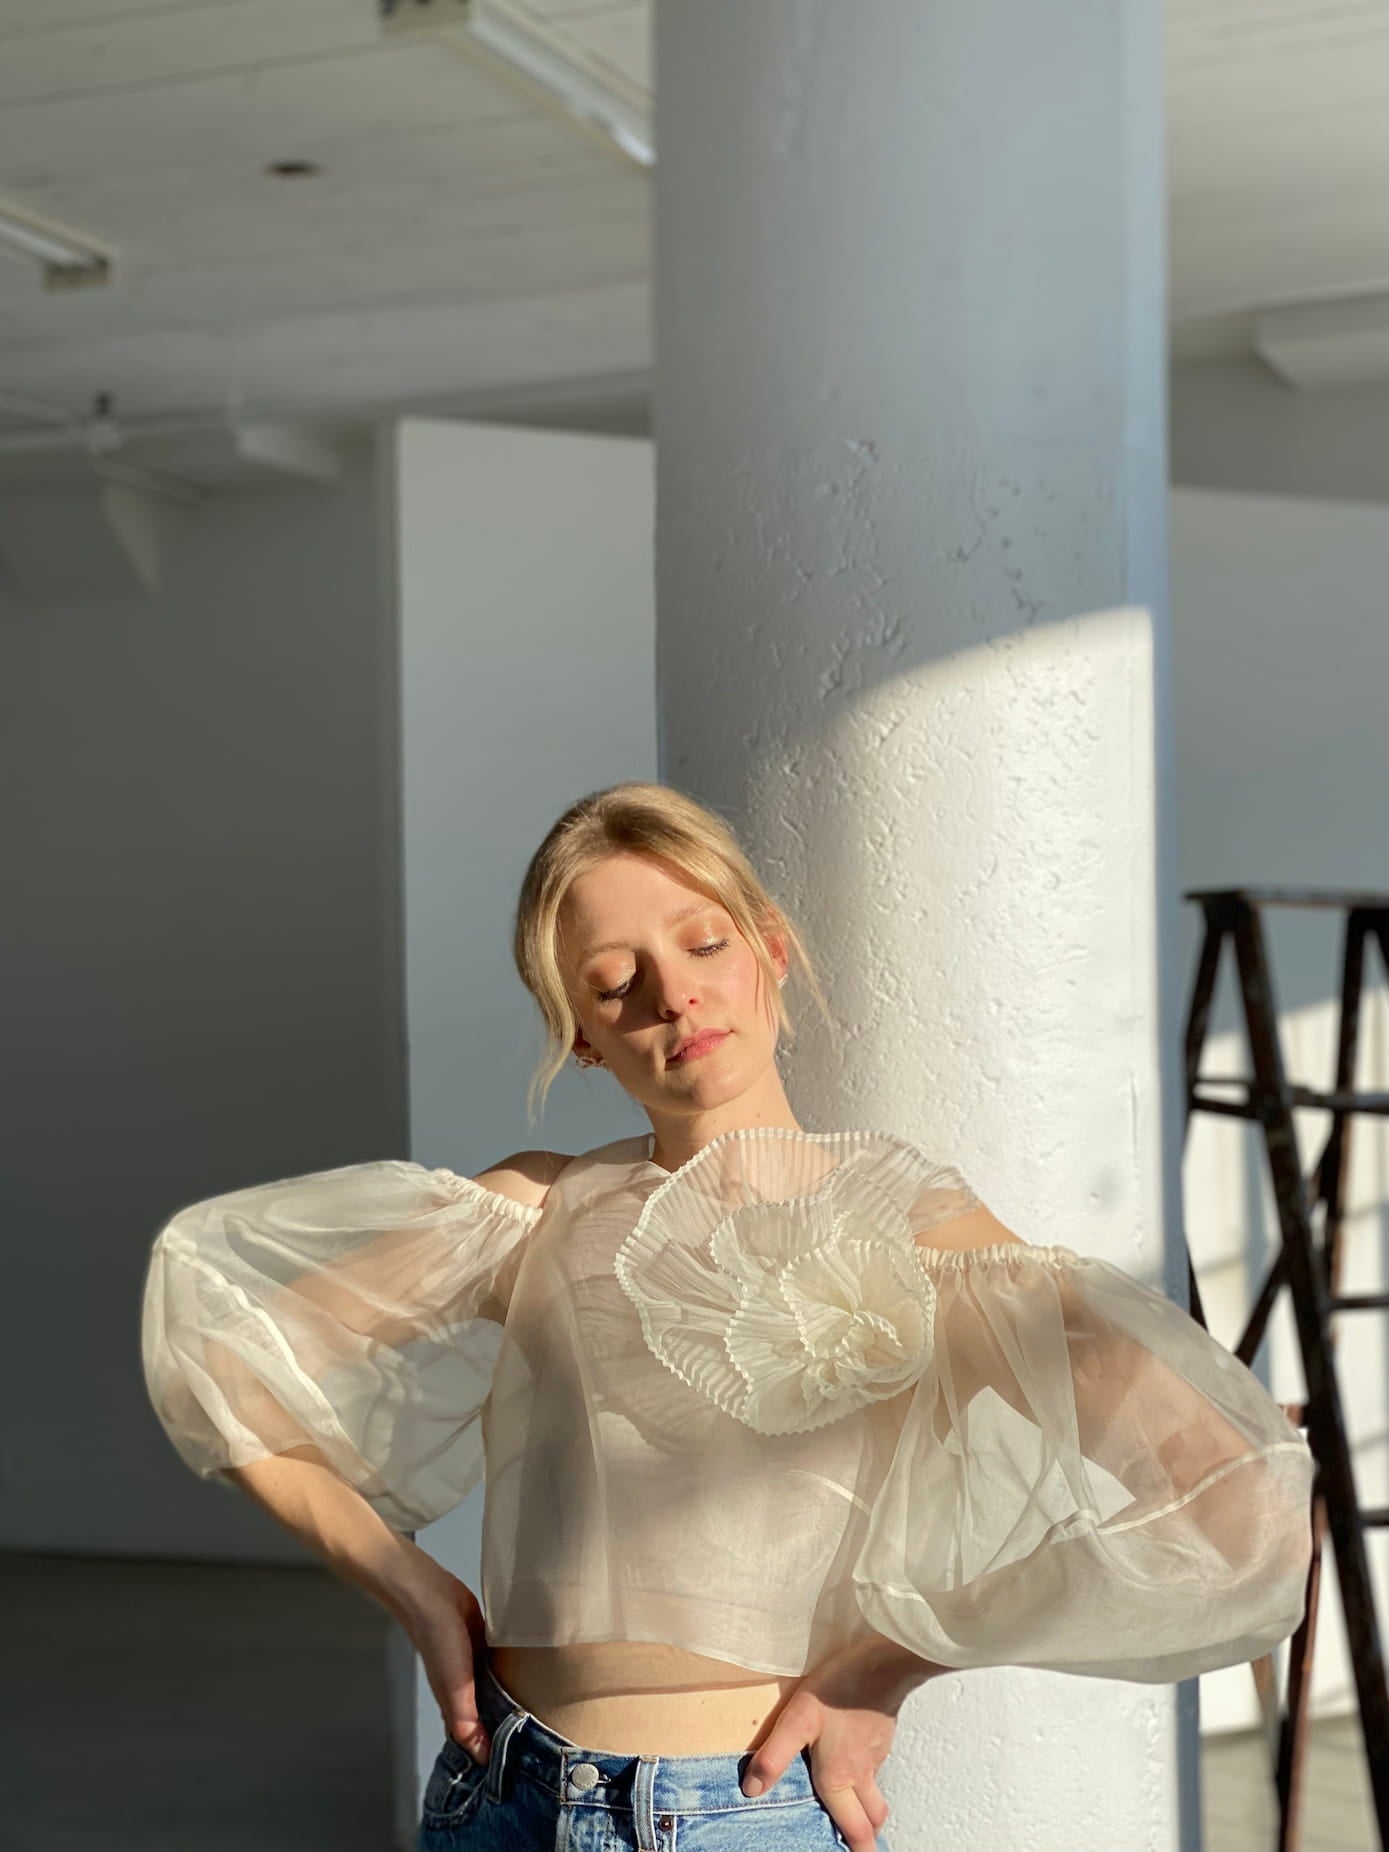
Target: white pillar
[{"x": 912, "y": 639}]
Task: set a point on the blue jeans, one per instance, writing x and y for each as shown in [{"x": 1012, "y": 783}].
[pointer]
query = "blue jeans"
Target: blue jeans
[{"x": 540, "y": 1792}]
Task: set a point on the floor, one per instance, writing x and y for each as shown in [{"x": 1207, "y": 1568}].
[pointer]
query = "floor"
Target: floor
[
  {"x": 1239, "y": 1810},
  {"x": 108, "y": 1662},
  {"x": 270, "y": 1680}
]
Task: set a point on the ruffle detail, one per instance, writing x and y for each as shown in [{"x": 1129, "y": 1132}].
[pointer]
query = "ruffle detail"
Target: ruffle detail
[{"x": 777, "y": 1273}]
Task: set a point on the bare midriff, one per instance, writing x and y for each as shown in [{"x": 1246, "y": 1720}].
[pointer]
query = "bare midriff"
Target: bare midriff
[{"x": 630, "y": 1697}]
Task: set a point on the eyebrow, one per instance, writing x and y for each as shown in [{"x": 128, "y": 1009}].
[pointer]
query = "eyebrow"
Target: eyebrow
[{"x": 621, "y": 945}]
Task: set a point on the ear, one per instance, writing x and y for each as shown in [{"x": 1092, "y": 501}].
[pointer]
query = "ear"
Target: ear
[{"x": 776, "y": 946}]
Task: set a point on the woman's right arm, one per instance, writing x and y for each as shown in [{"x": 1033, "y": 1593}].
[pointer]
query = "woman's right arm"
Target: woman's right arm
[
  {"x": 324, "y": 1344},
  {"x": 439, "y": 1613},
  {"x": 330, "y": 1518}
]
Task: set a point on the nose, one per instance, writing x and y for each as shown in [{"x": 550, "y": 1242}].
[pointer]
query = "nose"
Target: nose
[{"x": 674, "y": 991}]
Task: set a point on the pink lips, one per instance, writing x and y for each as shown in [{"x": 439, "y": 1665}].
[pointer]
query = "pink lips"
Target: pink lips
[{"x": 700, "y": 1046}]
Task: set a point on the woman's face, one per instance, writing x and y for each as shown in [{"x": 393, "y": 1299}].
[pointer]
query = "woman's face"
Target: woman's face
[{"x": 679, "y": 965}]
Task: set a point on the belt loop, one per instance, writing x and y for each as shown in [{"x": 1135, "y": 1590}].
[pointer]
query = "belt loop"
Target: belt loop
[
  {"x": 643, "y": 1814},
  {"x": 501, "y": 1742}
]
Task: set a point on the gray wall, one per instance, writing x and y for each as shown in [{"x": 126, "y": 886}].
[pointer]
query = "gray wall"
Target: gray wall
[
  {"x": 200, "y": 970},
  {"x": 1235, "y": 425},
  {"x": 204, "y": 975}
]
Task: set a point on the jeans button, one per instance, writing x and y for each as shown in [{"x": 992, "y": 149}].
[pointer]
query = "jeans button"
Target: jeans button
[{"x": 583, "y": 1776}]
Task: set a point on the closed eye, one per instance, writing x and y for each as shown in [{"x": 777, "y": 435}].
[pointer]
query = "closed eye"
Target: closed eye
[{"x": 699, "y": 951}]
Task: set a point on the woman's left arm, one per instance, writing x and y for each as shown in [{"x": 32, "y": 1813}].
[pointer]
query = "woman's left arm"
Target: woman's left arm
[{"x": 845, "y": 1709}]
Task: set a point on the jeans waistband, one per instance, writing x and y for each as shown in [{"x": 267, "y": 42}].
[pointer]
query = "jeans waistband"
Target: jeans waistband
[{"x": 651, "y": 1786}]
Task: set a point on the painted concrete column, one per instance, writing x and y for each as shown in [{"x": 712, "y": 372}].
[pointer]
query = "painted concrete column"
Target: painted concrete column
[{"x": 912, "y": 639}]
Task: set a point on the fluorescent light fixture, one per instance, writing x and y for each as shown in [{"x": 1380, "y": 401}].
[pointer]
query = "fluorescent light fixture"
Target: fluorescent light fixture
[
  {"x": 70, "y": 260},
  {"x": 503, "y": 32},
  {"x": 528, "y": 46}
]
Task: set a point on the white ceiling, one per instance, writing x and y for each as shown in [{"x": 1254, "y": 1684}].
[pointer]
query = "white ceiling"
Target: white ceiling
[
  {"x": 462, "y": 235},
  {"x": 465, "y": 241},
  {"x": 1278, "y": 159}
]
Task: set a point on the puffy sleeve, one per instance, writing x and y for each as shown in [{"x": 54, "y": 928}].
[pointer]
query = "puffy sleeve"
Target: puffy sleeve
[
  {"x": 1085, "y": 1480},
  {"x": 357, "y": 1312}
]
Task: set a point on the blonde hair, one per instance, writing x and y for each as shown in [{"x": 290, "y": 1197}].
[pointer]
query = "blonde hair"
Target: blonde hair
[{"x": 656, "y": 821}]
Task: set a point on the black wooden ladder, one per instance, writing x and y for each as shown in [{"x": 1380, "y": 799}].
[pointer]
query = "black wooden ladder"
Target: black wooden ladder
[{"x": 1311, "y": 1269}]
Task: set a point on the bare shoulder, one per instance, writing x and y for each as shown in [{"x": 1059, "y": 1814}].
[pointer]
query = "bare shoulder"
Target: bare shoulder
[
  {"x": 975, "y": 1228},
  {"x": 525, "y": 1176}
]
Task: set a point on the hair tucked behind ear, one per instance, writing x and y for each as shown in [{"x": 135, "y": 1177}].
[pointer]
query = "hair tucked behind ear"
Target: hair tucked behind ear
[{"x": 694, "y": 842}]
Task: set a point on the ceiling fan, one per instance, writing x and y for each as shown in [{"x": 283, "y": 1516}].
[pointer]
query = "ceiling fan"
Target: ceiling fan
[{"x": 102, "y": 437}]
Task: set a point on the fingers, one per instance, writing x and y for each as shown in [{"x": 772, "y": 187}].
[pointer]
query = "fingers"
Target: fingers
[
  {"x": 874, "y": 1803},
  {"x": 446, "y": 1646},
  {"x": 856, "y": 1804},
  {"x": 774, "y": 1755},
  {"x": 842, "y": 1806},
  {"x": 857, "y": 1808},
  {"x": 874, "y": 1810},
  {"x": 465, "y": 1725},
  {"x": 456, "y": 1692},
  {"x": 459, "y": 1705}
]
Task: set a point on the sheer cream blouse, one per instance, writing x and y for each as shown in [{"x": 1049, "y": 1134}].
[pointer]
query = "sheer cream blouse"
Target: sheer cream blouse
[{"x": 757, "y": 1407}]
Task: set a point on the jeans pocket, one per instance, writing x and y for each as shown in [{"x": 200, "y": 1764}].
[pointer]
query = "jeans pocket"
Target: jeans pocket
[
  {"x": 455, "y": 1786},
  {"x": 802, "y": 1825}
]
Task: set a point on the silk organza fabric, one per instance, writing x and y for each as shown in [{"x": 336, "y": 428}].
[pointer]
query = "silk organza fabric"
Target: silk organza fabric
[
  {"x": 758, "y": 1407},
  {"x": 1121, "y": 1497},
  {"x": 356, "y": 1311}
]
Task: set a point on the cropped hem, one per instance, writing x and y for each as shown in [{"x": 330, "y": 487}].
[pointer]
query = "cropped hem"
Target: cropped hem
[{"x": 638, "y": 1636}]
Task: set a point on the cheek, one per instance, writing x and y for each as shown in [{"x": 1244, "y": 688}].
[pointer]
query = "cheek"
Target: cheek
[{"x": 744, "y": 978}]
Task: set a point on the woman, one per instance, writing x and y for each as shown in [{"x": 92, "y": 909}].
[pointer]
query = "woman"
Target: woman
[{"x": 776, "y": 1425}]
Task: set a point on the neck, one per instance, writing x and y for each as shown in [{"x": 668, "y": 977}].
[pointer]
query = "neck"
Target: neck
[{"x": 676, "y": 1137}]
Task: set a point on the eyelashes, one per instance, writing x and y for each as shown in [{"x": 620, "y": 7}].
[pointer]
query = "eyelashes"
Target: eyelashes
[{"x": 699, "y": 951}]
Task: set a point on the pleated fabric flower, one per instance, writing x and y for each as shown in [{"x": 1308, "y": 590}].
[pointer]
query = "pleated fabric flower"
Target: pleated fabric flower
[{"x": 787, "y": 1292}]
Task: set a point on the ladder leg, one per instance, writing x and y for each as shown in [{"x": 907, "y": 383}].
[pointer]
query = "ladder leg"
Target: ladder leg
[
  {"x": 1253, "y": 1334},
  {"x": 1336, "y": 1159},
  {"x": 1197, "y": 1022},
  {"x": 1292, "y": 1741},
  {"x": 1311, "y": 1308},
  {"x": 1199, "y": 1010}
]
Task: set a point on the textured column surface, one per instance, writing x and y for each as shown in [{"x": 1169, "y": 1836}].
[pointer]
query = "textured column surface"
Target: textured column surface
[{"x": 912, "y": 640}]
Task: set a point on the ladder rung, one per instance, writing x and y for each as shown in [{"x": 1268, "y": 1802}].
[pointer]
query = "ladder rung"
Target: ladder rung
[
  {"x": 1360, "y": 899},
  {"x": 1377, "y": 1516},
  {"x": 1234, "y": 1109},
  {"x": 1339, "y": 1102},
  {"x": 1361, "y": 1302},
  {"x": 1377, "y": 1103}
]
